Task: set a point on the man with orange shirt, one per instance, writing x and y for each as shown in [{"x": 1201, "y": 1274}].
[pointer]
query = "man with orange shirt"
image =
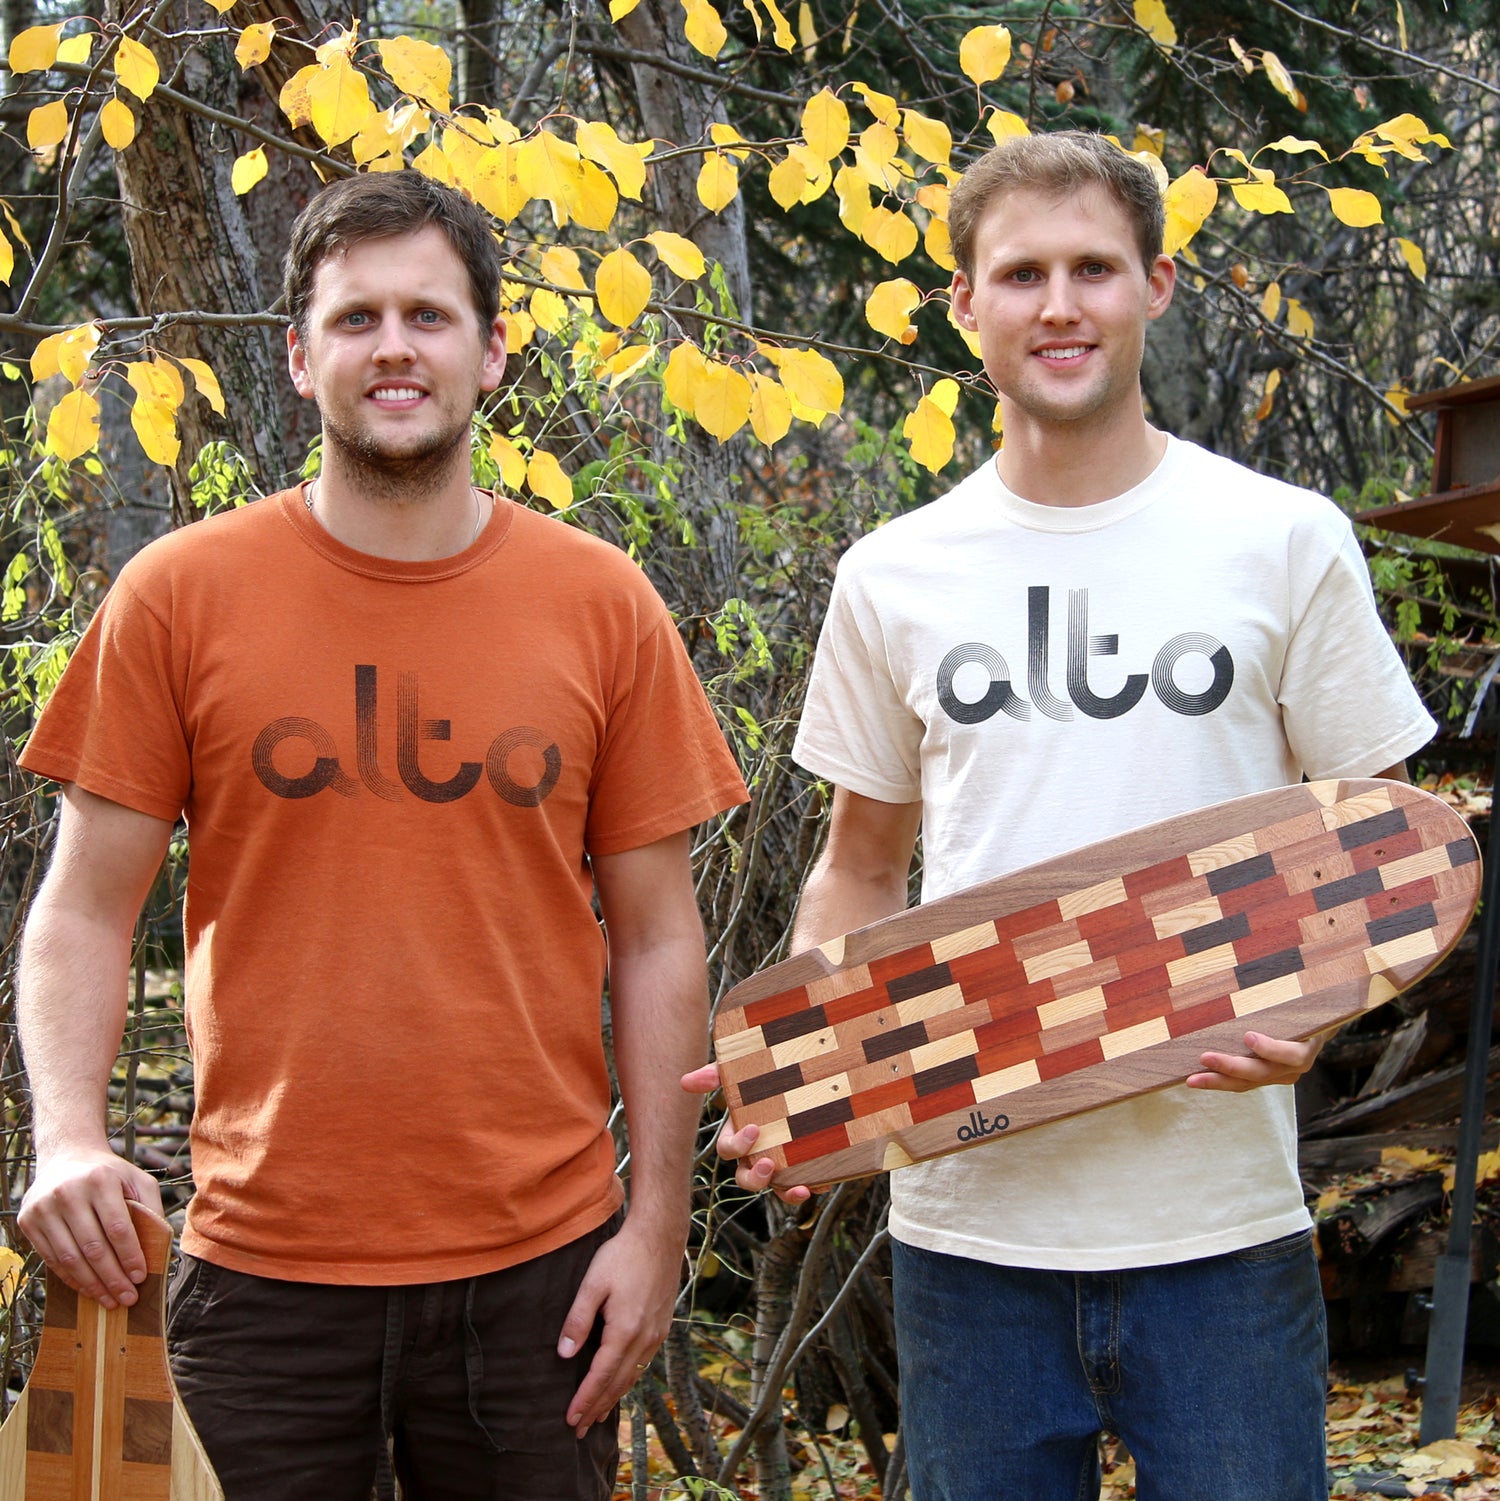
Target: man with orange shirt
[{"x": 414, "y": 729}]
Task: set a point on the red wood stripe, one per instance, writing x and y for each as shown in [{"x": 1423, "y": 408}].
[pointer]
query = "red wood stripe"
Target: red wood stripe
[
  {"x": 885, "y": 1096},
  {"x": 894, "y": 966},
  {"x": 1123, "y": 925},
  {"x": 1146, "y": 982},
  {"x": 1383, "y": 851},
  {"x": 1065, "y": 1035},
  {"x": 1007, "y": 1054},
  {"x": 1022, "y": 1022},
  {"x": 1057, "y": 935},
  {"x": 1145, "y": 1007},
  {"x": 1157, "y": 877},
  {"x": 817, "y": 1144},
  {"x": 1413, "y": 894},
  {"x": 1261, "y": 893},
  {"x": 1270, "y": 940},
  {"x": 1028, "y": 920},
  {"x": 856, "y": 1003},
  {"x": 987, "y": 973},
  {"x": 955, "y": 1097},
  {"x": 1055, "y": 1065},
  {"x": 1203, "y": 1014},
  {"x": 774, "y": 1007}
]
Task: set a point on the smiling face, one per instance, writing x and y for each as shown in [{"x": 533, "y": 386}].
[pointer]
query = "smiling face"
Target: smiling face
[
  {"x": 1060, "y": 299},
  {"x": 393, "y": 355}
]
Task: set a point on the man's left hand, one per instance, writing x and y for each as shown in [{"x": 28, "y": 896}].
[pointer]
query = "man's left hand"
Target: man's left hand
[
  {"x": 633, "y": 1282},
  {"x": 1271, "y": 1061}
]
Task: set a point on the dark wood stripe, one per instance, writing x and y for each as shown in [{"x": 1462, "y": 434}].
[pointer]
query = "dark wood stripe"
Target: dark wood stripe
[
  {"x": 946, "y": 1075},
  {"x": 905, "y": 987},
  {"x": 1241, "y": 873},
  {"x": 821, "y": 1117},
  {"x": 1211, "y": 935},
  {"x": 1368, "y": 830},
  {"x": 1400, "y": 924},
  {"x": 1353, "y": 888},
  {"x": 784, "y": 1028},
  {"x": 1272, "y": 967},
  {"x": 897, "y": 1040},
  {"x": 778, "y": 1081},
  {"x": 148, "y": 1432},
  {"x": 49, "y": 1418}
]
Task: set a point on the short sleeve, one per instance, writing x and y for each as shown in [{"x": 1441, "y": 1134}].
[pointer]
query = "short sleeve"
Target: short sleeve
[
  {"x": 1347, "y": 702},
  {"x": 114, "y": 724},
  {"x": 857, "y": 730},
  {"x": 664, "y": 765}
]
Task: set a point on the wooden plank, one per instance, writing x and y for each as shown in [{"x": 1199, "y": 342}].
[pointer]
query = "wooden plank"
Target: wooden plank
[
  {"x": 1429, "y": 1100},
  {"x": 100, "y": 1419},
  {"x": 1110, "y": 971}
]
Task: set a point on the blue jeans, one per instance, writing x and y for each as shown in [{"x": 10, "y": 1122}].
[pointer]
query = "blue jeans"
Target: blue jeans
[{"x": 1213, "y": 1372}]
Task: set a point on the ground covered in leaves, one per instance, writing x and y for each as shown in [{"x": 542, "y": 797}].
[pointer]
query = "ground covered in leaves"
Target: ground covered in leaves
[{"x": 1372, "y": 1452}]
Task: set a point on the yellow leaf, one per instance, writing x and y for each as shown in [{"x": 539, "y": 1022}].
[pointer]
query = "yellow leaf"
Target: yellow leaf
[
  {"x": 248, "y": 170},
  {"x": 883, "y": 173},
  {"x": 889, "y": 233},
  {"x": 624, "y": 162},
  {"x": 1264, "y": 409},
  {"x": 7, "y": 260},
  {"x": 882, "y": 106},
  {"x": 1416, "y": 262},
  {"x": 722, "y": 406},
  {"x": 1354, "y": 206},
  {"x": 46, "y": 125},
  {"x": 511, "y": 460},
  {"x": 1299, "y": 322},
  {"x": 786, "y": 181},
  {"x": 1188, "y": 202},
  {"x": 704, "y": 28},
  {"x": 718, "y": 182},
  {"x": 222, "y": 5},
  {"x": 854, "y": 199},
  {"x": 117, "y": 123},
  {"x": 431, "y": 162},
  {"x": 1005, "y": 126},
  {"x": 1148, "y": 139},
  {"x": 254, "y": 45},
  {"x": 929, "y": 430},
  {"x": 944, "y": 395},
  {"x": 560, "y": 265},
  {"x": 889, "y": 307},
  {"x": 158, "y": 380},
  {"x": 545, "y": 477},
  {"x": 1296, "y": 145},
  {"x": 627, "y": 361},
  {"x": 1281, "y": 80},
  {"x": 619, "y": 9},
  {"x": 549, "y": 311},
  {"x": 73, "y": 427},
  {"x": 880, "y": 142},
  {"x": 623, "y": 287},
  {"x": 136, "y": 68},
  {"x": 520, "y": 330},
  {"x": 340, "y": 45},
  {"x": 1261, "y": 196},
  {"x": 680, "y": 379},
  {"x": 35, "y": 49},
  {"x": 419, "y": 70},
  {"x": 984, "y": 53},
  {"x": 1406, "y": 133},
  {"x": 550, "y": 168},
  {"x": 807, "y": 31},
  {"x": 10, "y": 1274},
  {"x": 68, "y": 353},
  {"x": 1487, "y": 1167},
  {"x": 680, "y": 256},
  {"x": 496, "y": 182},
  {"x": 929, "y": 139},
  {"x": 1270, "y": 302},
  {"x": 596, "y": 202},
  {"x": 155, "y": 426},
  {"x": 722, "y": 134},
  {"x": 939, "y": 245},
  {"x": 1398, "y": 397},
  {"x": 206, "y": 381},
  {"x": 811, "y": 378},
  {"x": 770, "y": 409},
  {"x": 293, "y": 99},
  {"x": 1413, "y": 1157},
  {"x": 825, "y": 124},
  {"x": 781, "y": 28},
  {"x": 817, "y": 175},
  {"x": 1151, "y": 16},
  {"x": 340, "y": 101},
  {"x": 77, "y": 49}
]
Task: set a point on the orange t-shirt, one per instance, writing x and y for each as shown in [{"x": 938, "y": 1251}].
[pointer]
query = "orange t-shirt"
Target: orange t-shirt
[{"x": 392, "y": 774}]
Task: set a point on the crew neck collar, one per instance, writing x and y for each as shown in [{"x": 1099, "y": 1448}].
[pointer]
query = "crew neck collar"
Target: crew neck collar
[
  {"x": 1044, "y": 518},
  {"x": 399, "y": 570}
]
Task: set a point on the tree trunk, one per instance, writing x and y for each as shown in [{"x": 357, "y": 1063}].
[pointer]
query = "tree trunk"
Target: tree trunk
[{"x": 193, "y": 247}]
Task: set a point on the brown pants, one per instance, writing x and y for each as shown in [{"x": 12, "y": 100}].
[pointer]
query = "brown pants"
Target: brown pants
[{"x": 311, "y": 1392}]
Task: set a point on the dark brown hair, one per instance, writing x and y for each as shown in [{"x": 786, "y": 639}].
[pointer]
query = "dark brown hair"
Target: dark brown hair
[
  {"x": 374, "y": 205},
  {"x": 1062, "y": 162}
]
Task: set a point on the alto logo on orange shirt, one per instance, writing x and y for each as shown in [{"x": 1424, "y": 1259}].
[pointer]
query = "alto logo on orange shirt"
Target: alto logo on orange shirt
[{"x": 411, "y": 730}]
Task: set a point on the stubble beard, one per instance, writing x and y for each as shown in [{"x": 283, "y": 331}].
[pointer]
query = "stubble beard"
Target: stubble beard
[{"x": 396, "y": 476}]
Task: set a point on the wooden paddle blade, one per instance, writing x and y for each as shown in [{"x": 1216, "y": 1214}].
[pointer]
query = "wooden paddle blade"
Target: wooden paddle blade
[
  {"x": 1100, "y": 975},
  {"x": 100, "y": 1419}
]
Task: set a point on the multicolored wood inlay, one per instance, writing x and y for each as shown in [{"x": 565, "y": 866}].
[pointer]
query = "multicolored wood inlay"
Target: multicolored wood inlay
[
  {"x": 99, "y": 1419},
  {"x": 1094, "y": 977}
]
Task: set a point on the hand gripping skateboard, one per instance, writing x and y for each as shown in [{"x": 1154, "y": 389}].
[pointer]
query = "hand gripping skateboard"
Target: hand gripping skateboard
[
  {"x": 1096, "y": 976},
  {"x": 99, "y": 1419}
]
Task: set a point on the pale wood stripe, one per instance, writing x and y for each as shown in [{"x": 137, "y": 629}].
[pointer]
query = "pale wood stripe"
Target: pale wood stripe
[
  {"x": 1196, "y": 914},
  {"x": 1058, "y": 961},
  {"x": 966, "y": 941},
  {"x": 1215, "y": 856},
  {"x": 1195, "y": 966},
  {"x": 933, "y": 1003},
  {"x": 832, "y": 987},
  {"x": 1352, "y": 809},
  {"x": 1006, "y": 1081},
  {"x": 1108, "y": 893},
  {"x": 1428, "y": 862},
  {"x": 1402, "y": 951},
  {"x": 739, "y": 1044},
  {"x": 1261, "y": 997},
  {"x": 820, "y": 1092},
  {"x": 944, "y": 1050},
  {"x": 809, "y": 1045},
  {"x": 1070, "y": 1008},
  {"x": 1132, "y": 1039}
]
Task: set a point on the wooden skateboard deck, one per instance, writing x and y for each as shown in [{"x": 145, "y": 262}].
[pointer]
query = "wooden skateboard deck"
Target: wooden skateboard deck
[
  {"x": 99, "y": 1419},
  {"x": 1099, "y": 975}
]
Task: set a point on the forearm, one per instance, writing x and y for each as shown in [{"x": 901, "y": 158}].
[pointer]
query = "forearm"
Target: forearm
[
  {"x": 71, "y": 1008},
  {"x": 659, "y": 1008},
  {"x": 838, "y": 899}
]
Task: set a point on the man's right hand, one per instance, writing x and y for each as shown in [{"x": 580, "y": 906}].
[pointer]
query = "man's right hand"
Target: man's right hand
[
  {"x": 75, "y": 1215},
  {"x": 753, "y": 1174}
]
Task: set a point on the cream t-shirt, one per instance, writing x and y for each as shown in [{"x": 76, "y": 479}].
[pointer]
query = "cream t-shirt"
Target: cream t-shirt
[{"x": 1044, "y": 677}]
